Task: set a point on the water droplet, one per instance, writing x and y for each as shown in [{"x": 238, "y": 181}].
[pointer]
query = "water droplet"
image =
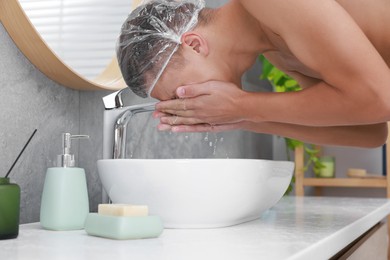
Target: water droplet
[
  {"x": 215, "y": 146},
  {"x": 211, "y": 144}
]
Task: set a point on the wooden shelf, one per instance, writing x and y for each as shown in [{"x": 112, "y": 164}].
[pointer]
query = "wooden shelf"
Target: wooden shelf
[
  {"x": 376, "y": 181},
  {"x": 379, "y": 182}
]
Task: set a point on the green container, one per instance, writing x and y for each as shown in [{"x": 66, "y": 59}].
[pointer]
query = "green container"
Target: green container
[
  {"x": 9, "y": 209},
  {"x": 65, "y": 204},
  {"x": 329, "y": 167}
]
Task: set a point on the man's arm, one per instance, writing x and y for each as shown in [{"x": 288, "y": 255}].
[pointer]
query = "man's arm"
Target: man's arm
[{"x": 360, "y": 135}]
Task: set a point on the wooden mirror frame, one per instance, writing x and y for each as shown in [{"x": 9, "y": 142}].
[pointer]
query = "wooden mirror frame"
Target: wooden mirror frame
[{"x": 29, "y": 41}]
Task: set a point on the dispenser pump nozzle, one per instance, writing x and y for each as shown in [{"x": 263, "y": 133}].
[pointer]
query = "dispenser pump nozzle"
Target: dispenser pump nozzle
[{"x": 66, "y": 159}]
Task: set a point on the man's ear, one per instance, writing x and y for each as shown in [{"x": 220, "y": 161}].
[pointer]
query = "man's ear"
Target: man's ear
[{"x": 195, "y": 42}]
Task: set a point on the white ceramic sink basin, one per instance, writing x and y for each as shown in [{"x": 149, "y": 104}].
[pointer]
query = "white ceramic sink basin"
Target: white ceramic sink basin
[{"x": 197, "y": 193}]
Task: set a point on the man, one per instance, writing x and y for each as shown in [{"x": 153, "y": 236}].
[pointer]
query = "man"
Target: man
[{"x": 339, "y": 52}]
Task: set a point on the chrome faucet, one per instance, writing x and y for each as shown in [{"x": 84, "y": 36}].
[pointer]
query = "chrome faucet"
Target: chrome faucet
[{"x": 116, "y": 119}]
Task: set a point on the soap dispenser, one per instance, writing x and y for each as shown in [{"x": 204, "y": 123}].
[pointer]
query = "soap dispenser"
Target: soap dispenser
[{"x": 65, "y": 204}]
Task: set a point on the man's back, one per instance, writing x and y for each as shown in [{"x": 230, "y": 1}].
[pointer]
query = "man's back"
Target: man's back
[{"x": 372, "y": 16}]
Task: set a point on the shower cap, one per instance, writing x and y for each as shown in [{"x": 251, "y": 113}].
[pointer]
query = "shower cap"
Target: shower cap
[{"x": 149, "y": 38}]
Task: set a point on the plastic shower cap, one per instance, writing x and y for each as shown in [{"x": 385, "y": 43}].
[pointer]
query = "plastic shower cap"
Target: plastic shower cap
[{"x": 149, "y": 38}]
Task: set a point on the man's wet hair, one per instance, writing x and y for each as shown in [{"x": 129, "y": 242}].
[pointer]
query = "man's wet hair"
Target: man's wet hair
[{"x": 143, "y": 47}]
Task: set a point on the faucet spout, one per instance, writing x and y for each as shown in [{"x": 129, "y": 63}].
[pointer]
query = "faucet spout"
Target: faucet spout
[{"x": 121, "y": 127}]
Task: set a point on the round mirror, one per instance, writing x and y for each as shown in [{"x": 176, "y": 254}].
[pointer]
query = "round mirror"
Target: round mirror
[{"x": 71, "y": 41}]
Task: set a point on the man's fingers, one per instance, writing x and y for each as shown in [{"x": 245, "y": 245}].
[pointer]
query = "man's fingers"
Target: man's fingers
[
  {"x": 173, "y": 105},
  {"x": 194, "y": 90},
  {"x": 181, "y": 113},
  {"x": 175, "y": 120},
  {"x": 158, "y": 114},
  {"x": 198, "y": 128},
  {"x": 184, "y": 128},
  {"x": 164, "y": 127},
  {"x": 203, "y": 128},
  {"x": 186, "y": 99},
  {"x": 191, "y": 128}
]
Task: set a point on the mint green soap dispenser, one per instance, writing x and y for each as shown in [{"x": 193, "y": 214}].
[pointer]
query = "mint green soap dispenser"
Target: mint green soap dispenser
[{"x": 65, "y": 204}]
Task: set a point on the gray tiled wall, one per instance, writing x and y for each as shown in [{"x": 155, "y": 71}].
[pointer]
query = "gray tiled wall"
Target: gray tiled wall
[{"x": 29, "y": 100}]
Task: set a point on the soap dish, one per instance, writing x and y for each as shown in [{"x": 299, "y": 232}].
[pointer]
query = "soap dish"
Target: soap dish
[{"x": 122, "y": 228}]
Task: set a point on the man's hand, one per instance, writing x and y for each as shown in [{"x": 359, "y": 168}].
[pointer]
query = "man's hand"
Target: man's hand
[{"x": 209, "y": 104}]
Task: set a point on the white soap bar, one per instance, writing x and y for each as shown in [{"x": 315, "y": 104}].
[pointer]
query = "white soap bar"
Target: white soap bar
[
  {"x": 357, "y": 173},
  {"x": 123, "y": 210}
]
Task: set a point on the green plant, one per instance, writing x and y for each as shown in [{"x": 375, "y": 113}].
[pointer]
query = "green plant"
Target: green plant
[{"x": 282, "y": 82}]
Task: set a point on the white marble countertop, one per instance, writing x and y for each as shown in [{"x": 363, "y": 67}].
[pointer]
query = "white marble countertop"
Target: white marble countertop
[{"x": 296, "y": 228}]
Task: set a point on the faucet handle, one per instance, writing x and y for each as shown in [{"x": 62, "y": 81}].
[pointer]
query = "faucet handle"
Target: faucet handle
[{"x": 114, "y": 100}]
